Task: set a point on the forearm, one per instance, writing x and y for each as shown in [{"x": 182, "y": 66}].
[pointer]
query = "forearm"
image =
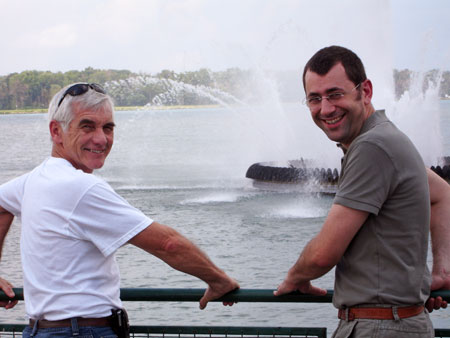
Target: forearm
[
  {"x": 178, "y": 252},
  {"x": 440, "y": 224},
  {"x": 309, "y": 265},
  {"x": 324, "y": 251},
  {"x": 440, "y": 237},
  {"x": 181, "y": 254},
  {"x": 6, "y": 219}
]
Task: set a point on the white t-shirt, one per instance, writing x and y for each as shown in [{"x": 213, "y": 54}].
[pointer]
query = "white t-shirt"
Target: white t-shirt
[{"x": 72, "y": 223}]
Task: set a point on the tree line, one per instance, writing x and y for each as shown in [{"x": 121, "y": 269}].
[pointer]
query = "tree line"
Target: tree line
[{"x": 33, "y": 89}]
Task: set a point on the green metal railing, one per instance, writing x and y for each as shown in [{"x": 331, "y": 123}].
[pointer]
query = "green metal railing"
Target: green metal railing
[{"x": 194, "y": 295}]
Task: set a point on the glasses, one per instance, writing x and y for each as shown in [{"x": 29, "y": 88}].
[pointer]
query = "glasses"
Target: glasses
[
  {"x": 80, "y": 89},
  {"x": 315, "y": 101}
]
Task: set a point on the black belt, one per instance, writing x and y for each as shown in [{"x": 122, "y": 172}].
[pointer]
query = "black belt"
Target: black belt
[{"x": 43, "y": 324}]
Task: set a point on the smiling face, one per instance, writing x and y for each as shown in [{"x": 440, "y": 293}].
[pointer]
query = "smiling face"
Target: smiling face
[
  {"x": 88, "y": 139},
  {"x": 341, "y": 121}
]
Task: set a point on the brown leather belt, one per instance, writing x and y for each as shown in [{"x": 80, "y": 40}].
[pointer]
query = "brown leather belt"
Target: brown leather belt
[
  {"x": 43, "y": 324},
  {"x": 380, "y": 312}
]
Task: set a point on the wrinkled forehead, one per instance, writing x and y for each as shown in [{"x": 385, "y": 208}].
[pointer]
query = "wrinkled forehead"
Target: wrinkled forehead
[
  {"x": 102, "y": 112},
  {"x": 96, "y": 107}
]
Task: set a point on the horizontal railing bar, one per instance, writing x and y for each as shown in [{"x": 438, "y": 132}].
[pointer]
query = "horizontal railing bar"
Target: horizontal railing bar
[
  {"x": 12, "y": 327},
  {"x": 240, "y": 295},
  {"x": 221, "y": 330},
  {"x": 227, "y": 330},
  {"x": 442, "y": 332},
  {"x": 231, "y": 330}
]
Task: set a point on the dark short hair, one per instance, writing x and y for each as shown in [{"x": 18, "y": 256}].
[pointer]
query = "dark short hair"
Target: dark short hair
[{"x": 327, "y": 57}]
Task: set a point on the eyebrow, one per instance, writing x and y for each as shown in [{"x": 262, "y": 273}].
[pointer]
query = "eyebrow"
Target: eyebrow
[
  {"x": 329, "y": 90},
  {"x": 88, "y": 121}
]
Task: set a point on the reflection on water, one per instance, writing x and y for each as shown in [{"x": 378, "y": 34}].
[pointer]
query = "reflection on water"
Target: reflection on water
[{"x": 186, "y": 169}]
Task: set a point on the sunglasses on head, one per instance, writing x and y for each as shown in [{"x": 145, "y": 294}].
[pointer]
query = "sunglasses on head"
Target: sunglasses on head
[{"x": 80, "y": 89}]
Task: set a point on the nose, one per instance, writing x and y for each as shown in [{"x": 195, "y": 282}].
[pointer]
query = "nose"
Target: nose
[
  {"x": 99, "y": 137},
  {"x": 326, "y": 107}
]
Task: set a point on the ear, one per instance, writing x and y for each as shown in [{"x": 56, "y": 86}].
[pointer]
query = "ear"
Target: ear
[
  {"x": 56, "y": 131},
  {"x": 367, "y": 91}
]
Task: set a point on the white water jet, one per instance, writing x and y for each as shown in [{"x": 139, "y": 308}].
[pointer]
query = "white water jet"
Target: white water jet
[
  {"x": 268, "y": 129},
  {"x": 259, "y": 115},
  {"x": 417, "y": 114}
]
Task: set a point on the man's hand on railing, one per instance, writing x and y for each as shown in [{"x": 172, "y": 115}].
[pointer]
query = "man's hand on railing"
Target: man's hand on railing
[
  {"x": 440, "y": 282},
  {"x": 218, "y": 290},
  {"x": 7, "y": 288},
  {"x": 305, "y": 287}
]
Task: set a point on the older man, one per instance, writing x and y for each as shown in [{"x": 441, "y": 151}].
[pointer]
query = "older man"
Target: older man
[
  {"x": 376, "y": 233},
  {"x": 73, "y": 222}
]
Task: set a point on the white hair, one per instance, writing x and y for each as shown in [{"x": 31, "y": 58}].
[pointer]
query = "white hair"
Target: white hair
[{"x": 64, "y": 114}]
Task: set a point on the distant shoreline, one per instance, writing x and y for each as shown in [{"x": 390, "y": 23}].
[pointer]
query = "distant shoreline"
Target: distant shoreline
[
  {"x": 43, "y": 111},
  {"x": 143, "y": 108}
]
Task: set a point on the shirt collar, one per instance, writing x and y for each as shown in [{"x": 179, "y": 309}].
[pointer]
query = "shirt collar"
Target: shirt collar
[{"x": 377, "y": 117}]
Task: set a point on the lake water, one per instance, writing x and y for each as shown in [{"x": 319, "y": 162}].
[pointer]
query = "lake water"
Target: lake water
[{"x": 186, "y": 168}]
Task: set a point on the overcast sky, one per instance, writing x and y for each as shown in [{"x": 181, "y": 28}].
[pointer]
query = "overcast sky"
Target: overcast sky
[{"x": 183, "y": 35}]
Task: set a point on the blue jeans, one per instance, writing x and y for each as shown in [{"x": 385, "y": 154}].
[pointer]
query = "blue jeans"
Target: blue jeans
[{"x": 74, "y": 331}]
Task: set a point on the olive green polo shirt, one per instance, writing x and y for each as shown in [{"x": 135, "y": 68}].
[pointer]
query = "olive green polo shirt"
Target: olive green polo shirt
[{"x": 382, "y": 173}]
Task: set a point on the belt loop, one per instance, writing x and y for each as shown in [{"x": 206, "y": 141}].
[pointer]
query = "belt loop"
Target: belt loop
[
  {"x": 395, "y": 313},
  {"x": 35, "y": 328},
  {"x": 74, "y": 324},
  {"x": 346, "y": 314}
]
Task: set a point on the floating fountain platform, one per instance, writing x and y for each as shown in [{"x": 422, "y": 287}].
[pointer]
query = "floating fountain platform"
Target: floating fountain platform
[
  {"x": 301, "y": 172},
  {"x": 295, "y": 171}
]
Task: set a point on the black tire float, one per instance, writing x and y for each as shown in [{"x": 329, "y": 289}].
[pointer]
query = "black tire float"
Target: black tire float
[{"x": 298, "y": 172}]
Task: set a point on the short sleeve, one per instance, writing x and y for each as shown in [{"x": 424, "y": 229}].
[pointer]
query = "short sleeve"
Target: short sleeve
[
  {"x": 367, "y": 177},
  {"x": 106, "y": 219},
  {"x": 11, "y": 195}
]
